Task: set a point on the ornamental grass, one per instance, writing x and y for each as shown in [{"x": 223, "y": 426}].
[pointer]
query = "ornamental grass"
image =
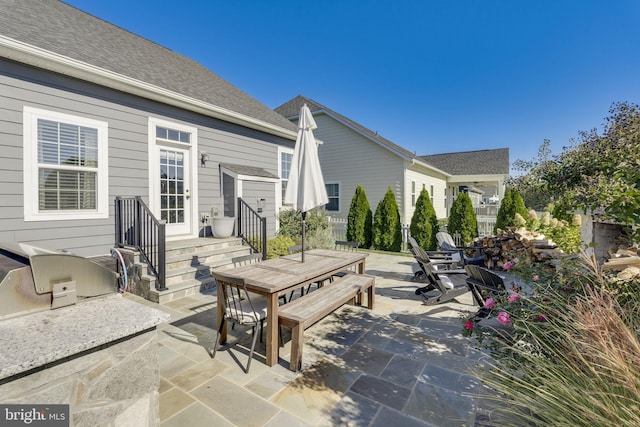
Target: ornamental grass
[{"x": 578, "y": 366}]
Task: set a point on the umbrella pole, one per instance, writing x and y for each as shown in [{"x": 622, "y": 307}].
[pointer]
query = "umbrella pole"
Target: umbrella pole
[{"x": 304, "y": 217}]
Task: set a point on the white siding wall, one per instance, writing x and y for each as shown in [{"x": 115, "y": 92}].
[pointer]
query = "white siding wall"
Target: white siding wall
[
  {"x": 420, "y": 178},
  {"x": 351, "y": 159}
]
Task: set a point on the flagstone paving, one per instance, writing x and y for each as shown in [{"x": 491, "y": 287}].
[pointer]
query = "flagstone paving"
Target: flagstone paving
[{"x": 402, "y": 364}]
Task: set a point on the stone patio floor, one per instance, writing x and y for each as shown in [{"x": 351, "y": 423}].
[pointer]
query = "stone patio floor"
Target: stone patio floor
[{"x": 401, "y": 364}]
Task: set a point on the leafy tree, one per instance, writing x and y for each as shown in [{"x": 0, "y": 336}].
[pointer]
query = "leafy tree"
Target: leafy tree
[
  {"x": 424, "y": 223},
  {"x": 360, "y": 219},
  {"x": 530, "y": 184},
  {"x": 387, "y": 230},
  {"x": 597, "y": 172},
  {"x": 506, "y": 212},
  {"x": 462, "y": 219}
]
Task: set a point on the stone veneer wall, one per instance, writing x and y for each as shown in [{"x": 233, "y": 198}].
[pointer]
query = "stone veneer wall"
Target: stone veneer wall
[
  {"x": 99, "y": 356},
  {"x": 116, "y": 385}
]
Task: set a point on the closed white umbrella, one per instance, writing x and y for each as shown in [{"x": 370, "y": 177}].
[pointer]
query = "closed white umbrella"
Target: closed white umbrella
[{"x": 305, "y": 189}]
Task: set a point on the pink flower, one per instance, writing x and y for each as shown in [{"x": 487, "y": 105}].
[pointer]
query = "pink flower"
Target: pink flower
[
  {"x": 536, "y": 278},
  {"x": 507, "y": 265},
  {"x": 542, "y": 317},
  {"x": 514, "y": 297},
  {"x": 504, "y": 318},
  {"x": 490, "y": 303},
  {"x": 469, "y": 325}
]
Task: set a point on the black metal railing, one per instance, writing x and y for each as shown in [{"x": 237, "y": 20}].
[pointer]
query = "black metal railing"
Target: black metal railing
[
  {"x": 252, "y": 228},
  {"x": 137, "y": 227}
]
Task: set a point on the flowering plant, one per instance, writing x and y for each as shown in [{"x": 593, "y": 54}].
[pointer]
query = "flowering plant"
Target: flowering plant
[{"x": 509, "y": 317}]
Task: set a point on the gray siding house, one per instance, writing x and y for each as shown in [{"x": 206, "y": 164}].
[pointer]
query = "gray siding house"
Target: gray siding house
[
  {"x": 353, "y": 155},
  {"x": 90, "y": 111}
]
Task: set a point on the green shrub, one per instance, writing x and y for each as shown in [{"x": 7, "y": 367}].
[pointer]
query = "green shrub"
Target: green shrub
[
  {"x": 360, "y": 219},
  {"x": 518, "y": 205},
  {"x": 424, "y": 224},
  {"x": 462, "y": 219},
  {"x": 506, "y": 213},
  {"x": 387, "y": 230},
  {"x": 512, "y": 204},
  {"x": 278, "y": 246},
  {"x": 291, "y": 223}
]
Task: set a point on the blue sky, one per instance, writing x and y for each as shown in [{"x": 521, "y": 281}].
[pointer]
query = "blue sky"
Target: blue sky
[{"x": 431, "y": 76}]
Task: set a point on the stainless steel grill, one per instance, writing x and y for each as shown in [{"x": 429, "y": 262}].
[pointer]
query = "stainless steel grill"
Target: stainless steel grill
[{"x": 35, "y": 279}]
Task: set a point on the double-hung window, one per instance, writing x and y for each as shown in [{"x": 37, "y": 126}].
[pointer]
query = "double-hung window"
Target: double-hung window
[
  {"x": 333, "y": 193},
  {"x": 285, "y": 169},
  {"x": 65, "y": 166}
]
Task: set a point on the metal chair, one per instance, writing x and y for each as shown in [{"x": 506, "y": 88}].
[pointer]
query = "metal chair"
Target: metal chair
[
  {"x": 240, "y": 307},
  {"x": 347, "y": 246},
  {"x": 294, "y": 250},
  {"x": 239, "y": 261}
]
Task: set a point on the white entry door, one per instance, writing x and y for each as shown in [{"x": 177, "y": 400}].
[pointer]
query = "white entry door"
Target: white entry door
[{"x": 174, "y": 189}]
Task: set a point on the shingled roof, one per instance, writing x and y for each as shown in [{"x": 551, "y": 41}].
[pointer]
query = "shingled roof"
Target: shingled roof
[
  {"x": 291, "y": 109},
  {"x": 64, "y": 30},
  {"x": 480, "y": 162}
]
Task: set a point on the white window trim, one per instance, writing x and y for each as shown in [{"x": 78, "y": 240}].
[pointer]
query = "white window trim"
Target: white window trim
[
  {"x": 154, "y": 190},
  {"x": 30, "y": 118},
  {"x": 279, "y": 201},
  {"x": 339, "y": 196}
]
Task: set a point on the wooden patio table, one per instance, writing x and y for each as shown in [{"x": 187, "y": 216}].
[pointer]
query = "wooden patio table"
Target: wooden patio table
[{"x": 280, "y": 276}]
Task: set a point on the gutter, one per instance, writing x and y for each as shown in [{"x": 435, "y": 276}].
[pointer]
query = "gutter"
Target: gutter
[{"x": 31, "y": 55}]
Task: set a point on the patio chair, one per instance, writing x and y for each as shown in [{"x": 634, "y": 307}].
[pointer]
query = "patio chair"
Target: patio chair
[
  {"x": 483, "y": 284},
  {"x": 443, "y": 285},
  {"x": 294, "y": 250},
  {"x": 240, "y": 307},
  {"x": 239, "y": 261},
  {"x": 446, "y": 243},
  {"x": 440, "y": 259},
  {"x": 347, "y": 246}
]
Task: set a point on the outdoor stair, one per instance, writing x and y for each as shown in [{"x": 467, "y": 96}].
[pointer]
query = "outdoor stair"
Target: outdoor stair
[{"x": 188, "y": 267}]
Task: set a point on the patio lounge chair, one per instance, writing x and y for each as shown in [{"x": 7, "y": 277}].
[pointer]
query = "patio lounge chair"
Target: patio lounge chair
[
  {"x": 443, "y": 285},
  {"x": 483, "y": 284},
  {"x": 441, "y": 260},
  {"x": 446, "y": 243}
]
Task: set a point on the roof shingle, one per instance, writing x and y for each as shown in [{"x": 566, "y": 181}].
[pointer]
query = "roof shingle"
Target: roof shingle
[
  {"x": 480, "y": 162},
  {"x": 65, "y": 30}
]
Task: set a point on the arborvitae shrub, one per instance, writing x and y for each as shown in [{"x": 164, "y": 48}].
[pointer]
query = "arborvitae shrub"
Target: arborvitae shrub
[
  {"x": 506, "y": 214},
  {"x": 424, "y": 224},
  {"x": 387, "y": 230},
  {"x": 360, "y": 219},
  {"x": 462, "y": 219},
  {"x": 518, "y": 205}
]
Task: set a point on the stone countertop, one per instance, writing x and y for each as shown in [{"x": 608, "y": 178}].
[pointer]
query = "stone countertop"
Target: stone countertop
[{"x": 33, "y": 340}]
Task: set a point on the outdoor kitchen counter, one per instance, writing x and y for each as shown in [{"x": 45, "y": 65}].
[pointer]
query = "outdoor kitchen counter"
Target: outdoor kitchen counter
[{"x": 36, "y": 340}]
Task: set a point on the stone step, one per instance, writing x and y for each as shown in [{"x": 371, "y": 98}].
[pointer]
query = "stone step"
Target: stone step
[
  {"x": 182, "y": 289},
  {"x": 212, "y": 257}
]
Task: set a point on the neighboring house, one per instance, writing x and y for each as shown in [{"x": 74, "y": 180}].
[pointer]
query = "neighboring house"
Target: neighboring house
[
  {"x": 352, "y": 155},
  {"x": 481, "y": 173},
  {"x": 90, "y": 111}
]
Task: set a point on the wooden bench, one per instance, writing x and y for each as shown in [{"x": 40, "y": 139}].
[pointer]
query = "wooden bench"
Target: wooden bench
[{"x": 305, "y": 311}]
